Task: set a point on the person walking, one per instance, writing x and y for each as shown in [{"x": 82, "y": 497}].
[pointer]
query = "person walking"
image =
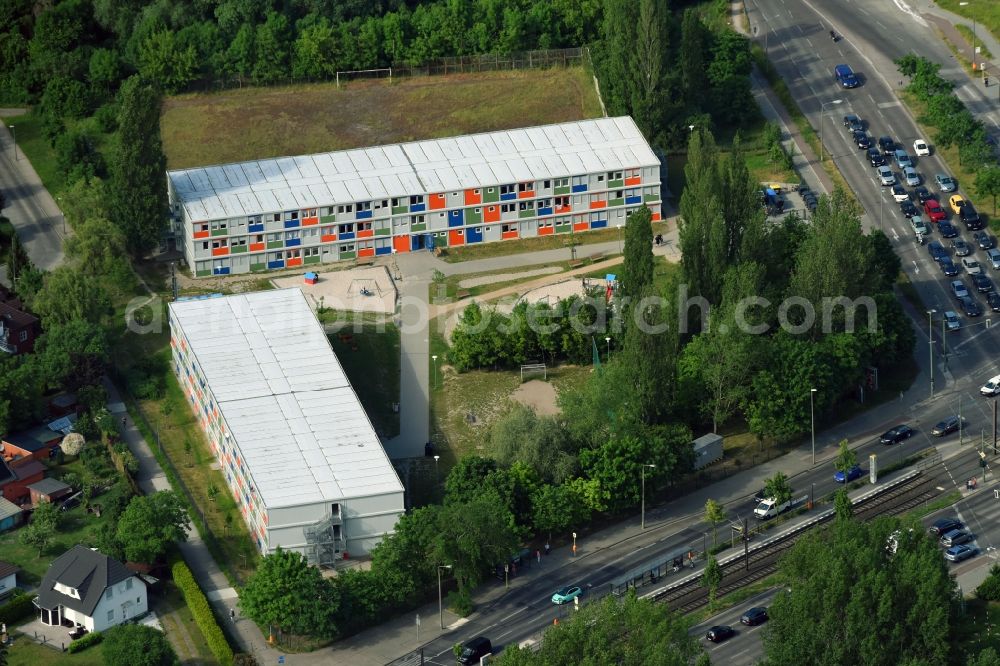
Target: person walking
[{"x": 546, "y": 547}]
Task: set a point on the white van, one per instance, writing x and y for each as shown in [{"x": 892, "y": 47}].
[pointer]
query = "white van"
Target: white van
[
  {"x": 992, "y": 387},
  {"x": 770, "y": 508}
]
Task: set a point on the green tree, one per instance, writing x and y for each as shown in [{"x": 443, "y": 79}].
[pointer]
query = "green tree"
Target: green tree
[
  {"x": 711, "y": 577},
  {"x": 692, "y": 58},
  {"x": 887, "y": 263},
  {"x": 287, "y": 593},
  {"x": 72, "y": 354},
  {"x": 778, "y": 488},
  {"x": 846, "y": 458},
  {"x": 537, "y": 441},
  {"x": 137, "y": 189},
  {"x": 136, "y": 645},
  {"x": 988, "y": 182},
  {"x": 649, "y": 70},
  {"x": 150, "y": 524},
  {"x": 43, "y": 527},
  {"x": 400, "y": 560},
  {"x": 557, "y": 508},
  {"x": 69, "y": 295},
  {"x": 986, "y": 657},
  {"x": 271, "y": 45},
  {"x": 466, "y": 478},
  {"x": 863, "y": 606},
  {"x": 473, "y": 536},
  {"x": 239, "y": 57},
  {"x": 164, "y": 60},
  {"x": 637, "y": 264},
  {"x": 842, "y": 505},
  {"x": 715, "y": 513},
  {"x": 701, "y": 233},
  {"x": 314, "y": 55},
  {"x": 650, "y": 354},
  {"x": 105, "y": 69},
  {"x": 629, "y": 632}
]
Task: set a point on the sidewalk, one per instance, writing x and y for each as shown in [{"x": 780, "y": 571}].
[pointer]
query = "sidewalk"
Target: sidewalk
[{"x": 213, "y": 582}]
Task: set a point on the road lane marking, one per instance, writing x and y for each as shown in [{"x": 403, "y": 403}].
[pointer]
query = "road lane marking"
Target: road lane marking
[
  {"x": 889, "y": 105},
  {"x": 905, "y": 8}
]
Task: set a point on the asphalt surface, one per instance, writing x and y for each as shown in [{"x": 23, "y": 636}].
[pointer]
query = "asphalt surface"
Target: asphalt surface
[
  {"x": 803, "y": 53},
  {"x": 30, "y": 207}
]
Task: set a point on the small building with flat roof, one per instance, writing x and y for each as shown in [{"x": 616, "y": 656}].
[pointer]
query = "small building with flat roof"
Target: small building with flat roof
[{"x": 297, "y": 449}]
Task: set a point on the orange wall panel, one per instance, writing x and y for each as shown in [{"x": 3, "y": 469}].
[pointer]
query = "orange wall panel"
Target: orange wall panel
[
  {"x": 508, "y": 235},
  {"x": 290, "y": 263},
  {"x": 563, "y": 209},
  {"x": 491, "y": 216},
  {"x": 598, "y": 204},
  {"x": 257, "y": 247},
  {"x": 473, "y": 197},
  {"x": 220, "y": 251},
  {"x": 201, "y": 234},
  {"x": 546, "y": 231},
  {"x": 437, "y": 201},
  {"x": 581, "y": 226},
  {"x": 309, "y": 221},
  {"x": 530, "y": 194},
  {"x": 401, "y": 243},
  {"x": 633, "y": 181},
  {"x": 656, "y": 217},
  {"x": 366, "y": 252},
  {"x": 456, "y": 238},
  {"x": 366, "y": 234},
  {"x": 328, "y": 238}
]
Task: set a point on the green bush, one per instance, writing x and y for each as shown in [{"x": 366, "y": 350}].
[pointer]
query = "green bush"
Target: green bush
[
  {"x": 202, "y": 612},
  {"x": 17, "y": 608},
  {"x": 989, "y": 590},
  {"x": 85, "y": 642}
]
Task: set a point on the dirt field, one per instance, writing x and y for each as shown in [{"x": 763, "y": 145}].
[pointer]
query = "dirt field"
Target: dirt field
[
  {"x": 251, "y": 123},
  {"x": 539, "y": 396}
]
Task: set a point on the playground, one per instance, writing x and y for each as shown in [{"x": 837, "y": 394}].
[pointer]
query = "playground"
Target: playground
[{"x": 354, "y": 290}]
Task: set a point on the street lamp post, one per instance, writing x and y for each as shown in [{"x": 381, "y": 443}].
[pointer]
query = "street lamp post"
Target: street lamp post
[
  {"x": 930, "y": 344},
  {"x": 643, "y": 519},
  {"x": 62, "y": 214},
  {"x": 620, "y": 249},
  {"x": 812, "y": 417},
  {"x": 608, "y": 340},
  {"x": 437, "y": 476},
  {"x": 14, "y": 135},
  {"x": 964, "y": 4},
  {"x": 440, "y": 605},
  {"x": 822, "y": 117},
  {"x": 435, "y": 374}
]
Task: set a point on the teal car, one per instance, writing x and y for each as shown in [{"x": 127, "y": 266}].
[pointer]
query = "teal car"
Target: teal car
[{"x": 564, "y": 595}]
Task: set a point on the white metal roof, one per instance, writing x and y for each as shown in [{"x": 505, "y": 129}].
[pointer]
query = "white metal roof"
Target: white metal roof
[
  {"x": 289, "y": 407},
  {"x": 420, "y": 167}
]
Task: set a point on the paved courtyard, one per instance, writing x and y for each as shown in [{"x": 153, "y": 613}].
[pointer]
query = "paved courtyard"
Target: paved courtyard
[{"x": 353, "y": 290}]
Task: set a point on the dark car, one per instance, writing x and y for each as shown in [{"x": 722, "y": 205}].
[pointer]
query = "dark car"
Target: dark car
[
  {"x": 897, "y": 434},
  {"x": 937, "y": 251},
  {"x": 759, "y": 497},
  {"x": 908, "y": 209},
  {"x": 473, "y": 651},
  {"x": 971, "y": 307},
  {"x": 982, "y": 283},
  {"x": 993, "y": 300},
  {"x": 862, "y": 141},
  {"x": 948, "y": 267},
  {"x": 955, "y": 538},
  {"x": 853, "y": 123},
  {"x": 923, "y": 194},
  {"x": 961, "y": 248},
  {"x": 942, "y": 526},
  {"x": 983, "y": 240},
  {"x": 947, "y": 230},
  {"x": 934, "y": 211},
  {"x": 720, "y": 632},
  {"x": 958, "y": 553},
  {"x": 886, "y": 145},
  {"x": 970, "y": 217},
  {"x": 946, "y": 427},
  {"x": 875, "y": 157},
  {"x": 754, "y": 616}
]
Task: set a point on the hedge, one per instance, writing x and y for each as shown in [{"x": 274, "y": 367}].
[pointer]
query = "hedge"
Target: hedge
[
  {"x": 17, "y": 608},
  {"x": 85, "y": 642},
  {"x": 202, "y": 612}
]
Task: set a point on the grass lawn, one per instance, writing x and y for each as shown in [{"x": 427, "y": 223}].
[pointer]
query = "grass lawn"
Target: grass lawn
[
  {"x": 31, "y": 143},
  {"x": 77, "y": 526},
  {"x": 255, "y": 123},
  {"x": 974, "y": 41},
  {"x": 371, "y": 360},
  {"x": 26, "y": 652},
  {"x": 985, "y": 12}
]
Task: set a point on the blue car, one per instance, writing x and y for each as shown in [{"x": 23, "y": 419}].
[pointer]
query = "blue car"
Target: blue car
[
  {"x": 845, "y": 76},
  {"x": 853, "y": 473},
  {"x": 948, "y": 267},
  {"x": 947, "y": 230},
  {"x": 937, "y": 251},
  {"x": 958, "y": 553}
]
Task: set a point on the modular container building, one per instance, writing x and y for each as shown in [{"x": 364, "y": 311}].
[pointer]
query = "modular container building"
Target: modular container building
[
  {"x": 300, "y": 211},
  {"x": 298, "y": 452}
]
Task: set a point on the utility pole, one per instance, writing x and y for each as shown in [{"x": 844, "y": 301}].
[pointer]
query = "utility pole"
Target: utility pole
[
  {"x": 994, "y": 426},
  {"x": 746, "y": 545}
]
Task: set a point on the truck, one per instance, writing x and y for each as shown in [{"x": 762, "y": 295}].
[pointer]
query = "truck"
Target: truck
[{"x": 770, "y": 508}]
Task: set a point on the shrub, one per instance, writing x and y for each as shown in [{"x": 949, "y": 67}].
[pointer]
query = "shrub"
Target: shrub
[
  {"x": 989, "y": 590},
  {"x": 202, "y": 613},
  {"x": 17, "y": 608},
  {"x": 460, "y": 601},
  {"x": 85, "y": 642}
]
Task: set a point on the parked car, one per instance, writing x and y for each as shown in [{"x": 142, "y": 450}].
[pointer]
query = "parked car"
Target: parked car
[
  {"x": 886, "y": 176},
  {"x": 911, "y": 176},
  {"x": 907, "y": 208},
  {"x": 853, "y": 123},
  {"x": 862, "y": 141},
  {"x": 942, "y": 526},
  {"x": 875, "y": 157},
  {"x": 473, "y": 651},
  {"x": 720, "y": 632},
  {"x": 958, "y": 553},
  {"x": 945, "y": 182},
  {"x": 947, "y": 230},
  {"x": 970, "y": 218},
  {"x": 902, "y": 159},
  {"x": 973, "y": 268},
  {"x": 993, "y": 300},
  {"x": 923, "y": 194},
  {"x": 971, "y": 307},
  {"x": 919, "y": 227},
  {"x": 993, "y": 257},
  {"x": 956, "y": 201},
  {"x": 754, "y": 616},
  {"x": 937, "y": 251},
  {"x": 948, "y": 267},
  {"x": 991, "y": 387},
  {"x": 846, "y": 477},
  {"x": 899, "y": 193},
  {"x": 898, "y": 434},
  {"x": 958, "y": 289},
  {"x": 983, "y": 284},
  {"x": 983, "y": 240},
  {"x": 887, "y": 145},
  {"x": 952, "y": 321},
  {"x": 955, "y": 538},
  {"x": 961, "y": 248},
  {"x": 947, "y": 426},
  {"x": 566, "y": 594},
  {"x": 934, "y": 211},
  {"x": 920, "y": 148}
]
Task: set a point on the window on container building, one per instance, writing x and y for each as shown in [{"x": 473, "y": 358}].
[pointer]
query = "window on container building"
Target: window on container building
[
  {"x": 562, "y": 182},
  {"x": 395, "y": 202},
  {"x": 347, "y": 248},
  {"x": 526, "y": 205},
  {"x": 546, "y": 184},
  {"x": 614, "y": 175},
  {"x": 276, "y": 217},
  {"x": 419, "y": 198},
  {"x": 254, "y": 219},
  {"x": 204, "y": 245},
  {"x": 600, "y": 178},
  {"x": 273, "y": 237},
  {"x": 328, "y": 210},
  {"x": 291, "y": 234},
  {"x": 506, "y": 189},
  {"x": 345, "y": 228},
  {"x": 364, "y": 205},
  {"x": 203, "y": 227}
]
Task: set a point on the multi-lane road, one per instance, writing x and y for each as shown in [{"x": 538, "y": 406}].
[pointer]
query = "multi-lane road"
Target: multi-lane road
[{"x": 871, "y": 36}]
